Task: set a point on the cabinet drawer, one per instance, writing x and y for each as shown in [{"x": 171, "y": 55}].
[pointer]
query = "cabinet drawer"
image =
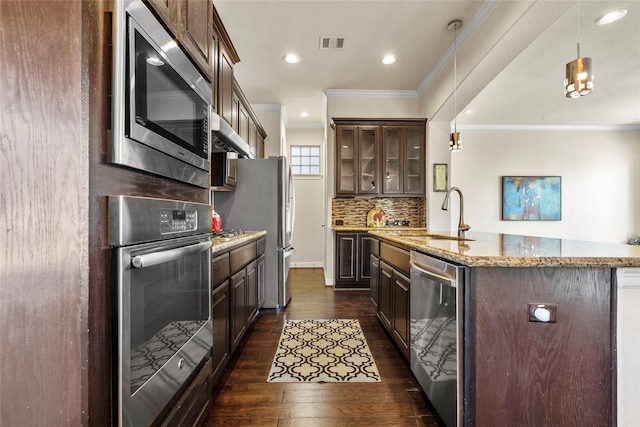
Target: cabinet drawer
[
  {"x": 395, "y": 256},
  {"x": 220, "y": 269},
  {"x": 242, "y": 256}
]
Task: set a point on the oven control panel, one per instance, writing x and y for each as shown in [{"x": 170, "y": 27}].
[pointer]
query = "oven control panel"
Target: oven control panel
[{"x": 178, "y": 220}]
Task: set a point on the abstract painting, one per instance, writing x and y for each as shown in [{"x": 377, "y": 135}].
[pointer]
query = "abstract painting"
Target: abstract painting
[{"x": 531, "y": 198}]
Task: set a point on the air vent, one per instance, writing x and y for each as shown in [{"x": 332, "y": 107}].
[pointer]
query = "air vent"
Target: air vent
[{"x": 332, "y": 42}]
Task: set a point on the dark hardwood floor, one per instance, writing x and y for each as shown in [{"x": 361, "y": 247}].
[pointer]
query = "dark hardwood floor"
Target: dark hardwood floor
[{"x": 243, "y": 397}]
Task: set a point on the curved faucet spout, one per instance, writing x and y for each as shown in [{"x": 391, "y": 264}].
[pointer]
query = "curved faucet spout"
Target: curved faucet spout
[{"x": 462, "y": 227}]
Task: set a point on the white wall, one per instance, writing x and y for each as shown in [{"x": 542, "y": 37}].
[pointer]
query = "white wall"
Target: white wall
[
  {"x": 271, "y": 120},
  {"x": 600, "y": 180},
  {"x": 308, "y": 236},
  {"x": 355, "y": 107}
]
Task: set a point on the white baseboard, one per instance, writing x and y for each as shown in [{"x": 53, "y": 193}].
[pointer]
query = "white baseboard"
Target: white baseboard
[{"x": 306, "y": 265}]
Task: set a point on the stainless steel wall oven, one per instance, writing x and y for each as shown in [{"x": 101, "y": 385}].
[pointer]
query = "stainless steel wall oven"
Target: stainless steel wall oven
[
  {"x": 162, "y": 270},
  {"x": 161, "y": 103}
]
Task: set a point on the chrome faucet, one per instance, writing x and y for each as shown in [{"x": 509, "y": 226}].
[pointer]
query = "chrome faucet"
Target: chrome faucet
[{"x": 462, "y": 227}]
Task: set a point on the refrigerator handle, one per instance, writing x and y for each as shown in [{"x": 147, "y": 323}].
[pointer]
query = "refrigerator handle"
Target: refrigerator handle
[
  {"x": 289, "y": 252},
  {"x": 292, "y": 202}
]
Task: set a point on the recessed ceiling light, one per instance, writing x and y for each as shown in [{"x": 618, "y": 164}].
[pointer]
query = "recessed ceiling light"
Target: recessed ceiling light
[
  {"x": 610, "y": 17},
  {"x": 389, "y": 59},
  {"x": 304, "y": 114},
  {"x": 469, "y": 111},
  {"x": 291, "y": 58}
]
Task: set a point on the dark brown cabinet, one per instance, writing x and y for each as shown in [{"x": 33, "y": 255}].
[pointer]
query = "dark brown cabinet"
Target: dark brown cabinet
[
  {"x": 352, "y": 259},
  {"x": 190, "y": 21},
  {"x": 357, "y": 160},
  {"x": 224, "y": 171},
  {"x": 380, "y": 157},
  {"x": 394, "y": 295},
  {"x": 374, "y": 281},
  {"x": 237, "y": 279}
]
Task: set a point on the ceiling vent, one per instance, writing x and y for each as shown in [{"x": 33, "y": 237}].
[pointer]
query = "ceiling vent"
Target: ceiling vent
[{"x": 332, "y": 42}]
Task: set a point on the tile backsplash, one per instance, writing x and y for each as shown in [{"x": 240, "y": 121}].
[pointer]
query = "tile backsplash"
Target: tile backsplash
[{"x": 354, "y": 211}]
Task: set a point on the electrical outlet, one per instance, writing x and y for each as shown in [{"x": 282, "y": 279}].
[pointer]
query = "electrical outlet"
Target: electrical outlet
[{"x": 542, "y": 312}]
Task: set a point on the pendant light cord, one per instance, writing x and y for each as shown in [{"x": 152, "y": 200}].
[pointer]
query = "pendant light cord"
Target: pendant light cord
[
  {"x": 455, "y": 77},
  {"x": 578, "y": 25}
]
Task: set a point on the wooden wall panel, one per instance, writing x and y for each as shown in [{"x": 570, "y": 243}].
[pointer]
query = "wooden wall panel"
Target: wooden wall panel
[
  {"x": 43, "y": 209},
  {"x": 530, "y": 374}
]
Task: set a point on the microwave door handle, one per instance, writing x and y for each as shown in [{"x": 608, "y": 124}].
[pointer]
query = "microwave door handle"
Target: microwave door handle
[{"x": 156, "y": 258}]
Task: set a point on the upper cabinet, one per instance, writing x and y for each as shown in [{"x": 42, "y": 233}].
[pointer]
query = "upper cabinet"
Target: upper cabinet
[
  {"x": 380, "y": 157},
  {"x": 190, "y": 21}
]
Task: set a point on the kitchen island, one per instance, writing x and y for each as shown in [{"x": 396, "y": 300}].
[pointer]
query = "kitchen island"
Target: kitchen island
[{"x": 515, "y": 369}]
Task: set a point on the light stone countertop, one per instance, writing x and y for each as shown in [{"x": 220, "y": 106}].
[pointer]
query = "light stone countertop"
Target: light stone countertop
[
  {"x": 220, "y": 245},
  {"x": 365, "y": 228},
  {"x": 508, "y": 250}
]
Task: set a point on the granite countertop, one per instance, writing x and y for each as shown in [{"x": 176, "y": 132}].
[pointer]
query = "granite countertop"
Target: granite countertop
[
  {"x": 226, "y": 243},
  {"x": 509, "y": 250},
  {"x": 365, "y": 228}
]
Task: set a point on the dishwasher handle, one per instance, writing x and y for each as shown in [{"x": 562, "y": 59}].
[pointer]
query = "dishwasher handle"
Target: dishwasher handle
[
  {"x": 156, "y": 258},
  {"x": 423, "y": 270}
]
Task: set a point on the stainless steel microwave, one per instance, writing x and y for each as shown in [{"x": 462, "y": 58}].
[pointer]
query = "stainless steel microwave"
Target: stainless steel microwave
[{"x": 161, "y": 103}]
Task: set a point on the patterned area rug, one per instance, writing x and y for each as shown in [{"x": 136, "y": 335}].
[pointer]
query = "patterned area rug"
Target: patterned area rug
[{"x": 333, "y": 350}]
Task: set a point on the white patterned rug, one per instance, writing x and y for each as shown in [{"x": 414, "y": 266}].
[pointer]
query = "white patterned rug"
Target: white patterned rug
[{"x": 333, "y": 350}]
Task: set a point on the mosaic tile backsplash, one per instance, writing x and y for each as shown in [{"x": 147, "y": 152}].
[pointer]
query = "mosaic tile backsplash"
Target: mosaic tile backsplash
[{"x": 354, "y": 211}]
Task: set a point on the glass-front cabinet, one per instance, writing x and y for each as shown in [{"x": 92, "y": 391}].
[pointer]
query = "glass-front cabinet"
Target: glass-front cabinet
[{"x": 380, "y": 157}]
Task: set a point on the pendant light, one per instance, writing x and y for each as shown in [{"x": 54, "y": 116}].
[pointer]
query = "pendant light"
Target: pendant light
[
  {"x": 579, "y": 75},
  {"x": 455, "y": 143}
]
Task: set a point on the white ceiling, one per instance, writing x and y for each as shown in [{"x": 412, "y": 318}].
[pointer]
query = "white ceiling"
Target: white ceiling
[{"x": 511, "y": 73}]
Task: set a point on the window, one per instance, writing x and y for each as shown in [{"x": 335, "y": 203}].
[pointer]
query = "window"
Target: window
[{"x": 305, "y": 159}]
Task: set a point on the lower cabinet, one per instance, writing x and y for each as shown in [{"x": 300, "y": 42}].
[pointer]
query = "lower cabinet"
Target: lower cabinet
[
  {"x": 220, "y": 316},
  {"x": 394, "y": 294},
  {"x": 237, "y": 293},
  {"x": 374, "y": 281},
  {"x": 352, "y": 259}
]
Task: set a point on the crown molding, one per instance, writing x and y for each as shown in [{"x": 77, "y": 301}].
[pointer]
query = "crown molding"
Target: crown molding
[
  {"x": 362, "y": 93},
  {"x": 606, "y": 128}
]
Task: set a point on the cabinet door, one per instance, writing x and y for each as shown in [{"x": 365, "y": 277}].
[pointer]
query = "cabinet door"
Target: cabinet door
[
  {"x": 346, "y": 160},
  {"x": 220, "y": 318},
  {"x": 392, "y": 160},
  {"x": 243, "y": 121},
  {"x": 238, "y": 307},
  {"x": 224, "y": 170},
  {"x": 374, "y": 290},
  {"x": 253, "y": 138},
  {"x": 369, "y": 160},
  {"x": 401, "y": 318},
  {"x": 260, "y": 268},
  {"x": 167, "y": 10},
  {"x": 225, "y": 85},
  {"x": 252, "y": 291},
  {"x": 384, "y": 303},
  {"x": 346, "y": 257},
  {"x": 196, "y": 18},
  {"x": 364, "y": 250},
  {"x": 414, "y": 161}
]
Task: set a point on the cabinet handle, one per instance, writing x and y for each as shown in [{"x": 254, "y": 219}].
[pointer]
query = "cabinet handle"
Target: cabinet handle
[
  {"x": 388, "y": 177},
  {"x": 373, "y": 185}
]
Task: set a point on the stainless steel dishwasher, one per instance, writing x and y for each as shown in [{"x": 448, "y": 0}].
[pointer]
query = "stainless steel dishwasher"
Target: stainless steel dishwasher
[{"x": 435, "y": 356}]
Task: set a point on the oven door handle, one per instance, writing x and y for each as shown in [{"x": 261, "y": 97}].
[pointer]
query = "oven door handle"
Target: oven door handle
[
  {"x": 425, "y": 271},
  {"x": 156, "y": 258}
]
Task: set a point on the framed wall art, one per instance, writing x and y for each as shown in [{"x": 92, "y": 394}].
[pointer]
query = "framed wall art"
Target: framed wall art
[
  {"x": 531, "y": 198},
  {"x": 440, "y": 177}
]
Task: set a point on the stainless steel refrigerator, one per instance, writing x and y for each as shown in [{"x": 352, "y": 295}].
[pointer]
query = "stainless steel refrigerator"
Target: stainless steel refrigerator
[{"x": 264, "y": 200}]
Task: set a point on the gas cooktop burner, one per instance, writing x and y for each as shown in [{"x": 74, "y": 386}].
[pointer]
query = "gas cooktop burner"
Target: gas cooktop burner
[{"x": 227, "y": 234}]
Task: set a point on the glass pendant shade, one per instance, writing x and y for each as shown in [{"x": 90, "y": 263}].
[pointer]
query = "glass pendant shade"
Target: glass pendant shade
[
  {"x": 579, "y": 78},
  {"x": 455, "y": 143}
]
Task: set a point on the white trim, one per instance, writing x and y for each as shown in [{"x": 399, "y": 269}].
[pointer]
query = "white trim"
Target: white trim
[
  {"x": 266, "y": 107},
  {"x": 306, "y": 265},
  {"x": 305, "y": 125},
  {"x": 496, "y": 127},
  {"x": 628, "y": 278},
  {"x": 465, "y": 33},
  {"x": 360, "y": 93}
]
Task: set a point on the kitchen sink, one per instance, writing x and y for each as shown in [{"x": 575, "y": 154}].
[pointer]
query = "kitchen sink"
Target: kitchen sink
[{"x": 419, "y": 235}]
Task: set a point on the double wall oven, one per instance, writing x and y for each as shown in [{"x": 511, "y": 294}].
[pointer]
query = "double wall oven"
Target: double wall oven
[{"x": 162, "y": 271}]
